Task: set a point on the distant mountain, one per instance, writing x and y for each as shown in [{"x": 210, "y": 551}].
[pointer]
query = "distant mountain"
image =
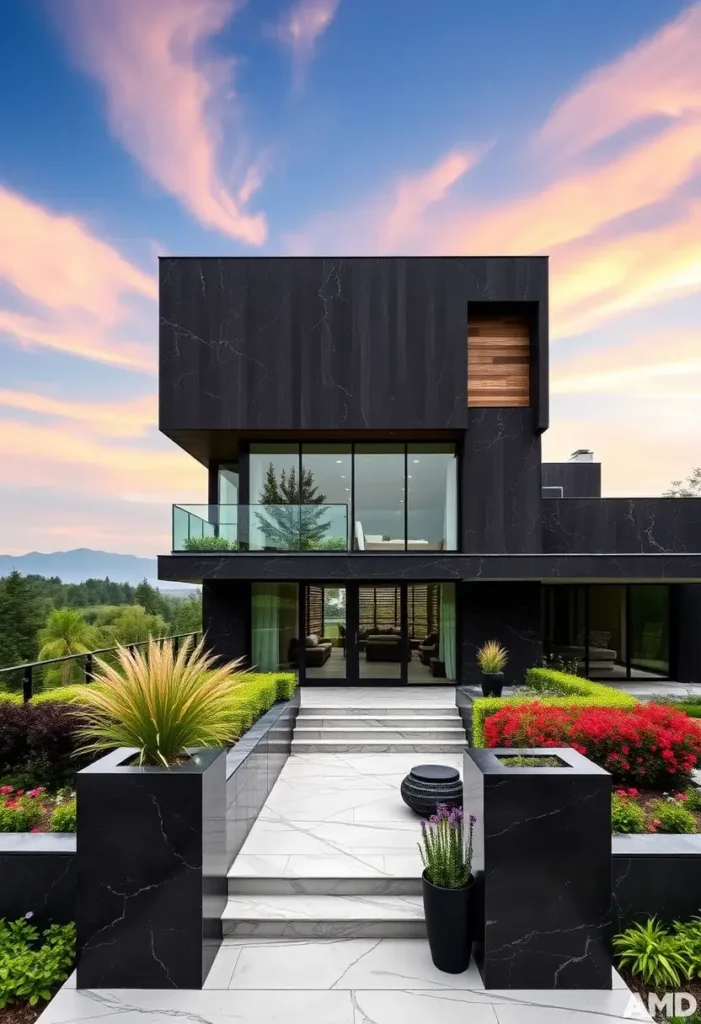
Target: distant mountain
[{"x": 83, "y": 564}]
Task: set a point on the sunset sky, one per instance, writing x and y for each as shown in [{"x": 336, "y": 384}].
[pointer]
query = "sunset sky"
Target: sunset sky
[{"x": 134, "y": 128}]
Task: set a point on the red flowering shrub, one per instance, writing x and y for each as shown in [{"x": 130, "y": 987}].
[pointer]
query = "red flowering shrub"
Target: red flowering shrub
[{"x": 647, "y": 745}]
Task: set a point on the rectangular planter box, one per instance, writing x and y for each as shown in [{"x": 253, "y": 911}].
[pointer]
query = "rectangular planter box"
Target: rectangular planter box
[
  {"x": 152, "y": 863},
  {"x": 542, "y": 862}
]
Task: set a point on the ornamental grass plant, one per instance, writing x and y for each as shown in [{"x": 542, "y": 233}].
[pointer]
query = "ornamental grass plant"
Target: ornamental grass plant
[
  {"x": 159, "y": 703},
  {"x": 445, "y": 850},
  {"x": 492, "y": 657}
]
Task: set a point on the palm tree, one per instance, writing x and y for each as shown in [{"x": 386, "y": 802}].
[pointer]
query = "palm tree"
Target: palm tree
[{"x": 66, "y": 632}]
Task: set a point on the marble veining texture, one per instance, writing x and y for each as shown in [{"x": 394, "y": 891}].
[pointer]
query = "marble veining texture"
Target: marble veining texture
[
  {"x": 622, "y": 525},
  {"x": 347, "y": 981}
]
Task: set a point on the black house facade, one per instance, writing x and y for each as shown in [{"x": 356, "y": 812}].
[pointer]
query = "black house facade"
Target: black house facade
[{"x": 377, "y": 504}]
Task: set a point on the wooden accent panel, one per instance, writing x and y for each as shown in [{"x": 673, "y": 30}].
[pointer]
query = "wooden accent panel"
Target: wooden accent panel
[{"x": 498, "y": 361}]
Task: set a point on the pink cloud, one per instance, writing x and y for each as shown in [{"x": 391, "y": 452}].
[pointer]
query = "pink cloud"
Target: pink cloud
[
  {"x": 134, "y": 417},
  {"x": 660, "y": 77},
  {"x": 300, "y": 28},
  {"x": 168, "y": 102}
]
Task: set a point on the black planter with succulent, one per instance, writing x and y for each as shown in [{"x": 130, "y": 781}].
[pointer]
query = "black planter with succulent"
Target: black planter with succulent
[
  {"x": 492, "y": 658},
  {"x": 447, "y": 886}
]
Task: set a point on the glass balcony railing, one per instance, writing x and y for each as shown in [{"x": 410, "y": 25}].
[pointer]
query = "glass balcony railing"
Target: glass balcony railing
[{"x": 260, "y": 528}]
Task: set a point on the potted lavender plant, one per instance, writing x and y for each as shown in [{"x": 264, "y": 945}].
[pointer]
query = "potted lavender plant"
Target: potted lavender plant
[{"x": 447, "y": 885}]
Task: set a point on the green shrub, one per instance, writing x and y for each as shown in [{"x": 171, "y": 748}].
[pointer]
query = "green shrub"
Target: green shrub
[
  {"x": 64, "y": 817},
  {"x": 19, "y": 814},
  {"x": 626, "y": 815},
  {"x": 210, "y": 544},
  {"x": 689, "y": 933},
  {"x": 653, "y": 952},
  {"x": 673, "y": 817},
  {"x": 575, "y": 692},
  {"x": 61, "y": 694},
  {"x": 33, "y": 965},
  {"x": 693, "y": 799}
]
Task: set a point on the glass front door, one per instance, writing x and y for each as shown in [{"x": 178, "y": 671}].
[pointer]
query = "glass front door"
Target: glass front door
[
  {"x": 382, "y": 634},
  {"x": 325, "y": 632}
]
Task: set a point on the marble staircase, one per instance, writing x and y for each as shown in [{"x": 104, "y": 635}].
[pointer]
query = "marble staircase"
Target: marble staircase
[{"x": 401, "y": 728}]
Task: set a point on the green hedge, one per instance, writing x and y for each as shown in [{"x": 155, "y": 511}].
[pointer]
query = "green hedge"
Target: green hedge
[{"x": 575, "y": 692}]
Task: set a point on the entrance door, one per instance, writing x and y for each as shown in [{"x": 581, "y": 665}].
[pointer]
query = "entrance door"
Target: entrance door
[
  {"x": 381, "y": 635},
  {"x": 325, "y": 630}
]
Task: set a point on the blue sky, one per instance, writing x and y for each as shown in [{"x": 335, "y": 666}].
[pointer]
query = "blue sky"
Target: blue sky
[{"x": 132, "y": 128}]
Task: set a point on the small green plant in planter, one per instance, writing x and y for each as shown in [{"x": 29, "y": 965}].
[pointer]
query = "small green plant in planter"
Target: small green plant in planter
[
  {"x": 671, "y": 816},
  {"x": 653, "y": 952},
  {"x": 447, "y": 885},
  {"x": 33, "y": 965},
  {"x": 210, "y": 544},
  {"x": 492, "y": 659},
  {"x": 626, "y": 816}
]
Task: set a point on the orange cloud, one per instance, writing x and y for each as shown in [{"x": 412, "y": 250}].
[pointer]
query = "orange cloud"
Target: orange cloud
[
  {"x": 166, "y": 101},
  {"x": 135, "y": 417},
  {"x": 415, "y": 194},
  {"x": 659, "y": 77}
]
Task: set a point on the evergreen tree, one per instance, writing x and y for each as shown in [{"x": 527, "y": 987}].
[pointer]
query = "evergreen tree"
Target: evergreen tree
[
  {"x": 186, "y": 616},
  {"x": 690, "y": 487},
  {"x": 295, "y": 520},
  {"x": 22, "y": 612},
  {"x": 149, "y": 598},
  {"x": 134, "y": 624}
]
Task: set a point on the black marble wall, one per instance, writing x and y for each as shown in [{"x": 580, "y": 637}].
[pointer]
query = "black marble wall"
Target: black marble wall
[
  {"x": 253, "y": 766},
  {"x": 621, "y": 525},
  {"x": 577, "y": 479},
  {"x": 542, "y": 866},
  {"x": 226, "y": 618},
  {"x": 685, "y": 639},
  {"x": 152, "y": 867},
  {"x": 500, "y": 487},
  {"x": 331, "y": 344},
  {"x": 655, "y": 875},
  {"x": 38, "y": 874},
  {"x": 508, "y": 612}
]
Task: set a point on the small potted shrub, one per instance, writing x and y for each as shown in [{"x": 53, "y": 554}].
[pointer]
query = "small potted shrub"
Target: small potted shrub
[
  {"x": 491, "y": 658},
  {"x": 447, "y": 885}
]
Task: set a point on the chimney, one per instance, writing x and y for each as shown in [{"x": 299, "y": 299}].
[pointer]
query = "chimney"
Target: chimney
[{"x": 582, "y": 455}]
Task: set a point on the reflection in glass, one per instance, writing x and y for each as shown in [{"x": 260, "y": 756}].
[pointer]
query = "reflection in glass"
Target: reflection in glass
[
  {"x": 325, "y": 636},
  {"x": 432, "y": 497},
  {"x": 565, "y": 619},
  {"x": 379, "y": 498},
  {"x": 649, "y": 630},
  {"x": 274, "y": 625},
  {"x": 228, "y": 475},
  {"x": 606, "y": 639},
  {"x": 327, "y": 479}
]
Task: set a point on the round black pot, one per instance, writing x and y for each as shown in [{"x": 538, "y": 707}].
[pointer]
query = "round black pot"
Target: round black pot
[
  {"x": 492, "y": 684},
  {"x": 447, "y": 913}
]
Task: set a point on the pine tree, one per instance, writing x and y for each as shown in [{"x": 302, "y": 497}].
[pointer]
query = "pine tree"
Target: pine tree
[
  {"x": 299, "y": 526},
  {"x": 149, "y": 598},
  {"x": 22, "y": 613}
]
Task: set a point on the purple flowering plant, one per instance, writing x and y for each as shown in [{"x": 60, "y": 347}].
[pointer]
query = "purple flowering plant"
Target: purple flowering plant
[{"x": 446, "y": 850}]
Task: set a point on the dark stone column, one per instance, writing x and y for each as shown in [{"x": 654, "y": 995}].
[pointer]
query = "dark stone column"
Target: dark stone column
[
  {"x": 542, "y": 866},
  {"x": 151, "y": 855},
  {"x": 685, "y": 635},
  {"x": 500, "y": 483},
  {"x": 509, "y": 612},
  {"x": 226, "y": 617}
]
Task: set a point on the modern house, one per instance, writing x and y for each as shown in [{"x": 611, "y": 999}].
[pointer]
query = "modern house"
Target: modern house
[{"x": 377, "y": 504}]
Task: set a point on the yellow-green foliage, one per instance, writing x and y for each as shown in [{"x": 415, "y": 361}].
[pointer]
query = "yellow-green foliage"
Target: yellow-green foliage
[
  {"x": 255, "y": 694},
  {"x": 61, "y": 695},
  {"x": 575, "y": 692},
  {"x": 10, "y": 698}
]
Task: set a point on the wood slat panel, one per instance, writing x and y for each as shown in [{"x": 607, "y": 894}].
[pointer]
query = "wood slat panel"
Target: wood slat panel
[{"x": 498, "y": 362}]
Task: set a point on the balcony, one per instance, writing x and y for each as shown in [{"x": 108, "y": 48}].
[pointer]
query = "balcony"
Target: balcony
[{"x": 228, "y": 528}]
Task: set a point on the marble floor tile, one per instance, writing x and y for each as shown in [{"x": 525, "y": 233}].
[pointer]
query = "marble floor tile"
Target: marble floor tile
[
  {"x": 377, "y": 1007},
  {"x": 315, "y": 908}
]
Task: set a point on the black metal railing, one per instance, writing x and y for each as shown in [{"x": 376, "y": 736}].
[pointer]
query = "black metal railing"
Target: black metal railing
[{"x": 30, "y": 669}]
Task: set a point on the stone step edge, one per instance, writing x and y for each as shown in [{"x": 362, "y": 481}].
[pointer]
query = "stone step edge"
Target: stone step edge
[
  {"x": 379, "y": 729},
  {"x": 329, "y": 908}
]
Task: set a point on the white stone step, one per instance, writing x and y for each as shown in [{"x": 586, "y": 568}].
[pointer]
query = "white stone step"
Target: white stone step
[
  {"x": 397, "y": 721},
  {"x": 322, "y": 885},
  {"x": 303, "y": 917},
  {"x": 364, "y": 732},
  {"x": 372, "y": 710},
  {"x": 326, "y": 746}
]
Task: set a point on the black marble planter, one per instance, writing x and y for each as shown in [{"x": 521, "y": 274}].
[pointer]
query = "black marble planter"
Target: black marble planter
[
  {"x": 492, "y": 683},
  {"x": 542, "y": 863},
  {"x": 151, "y": 854},
  {"x": 428, "y": 785}
]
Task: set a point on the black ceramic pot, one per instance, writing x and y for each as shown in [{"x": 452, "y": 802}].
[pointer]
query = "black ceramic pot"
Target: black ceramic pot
[
  {"x": 492, "y": 684},
  {"x": 447, "y": 913}
]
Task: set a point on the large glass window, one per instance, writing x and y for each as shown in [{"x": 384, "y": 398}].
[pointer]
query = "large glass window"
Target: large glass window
[
  {"x": 274, "y": 626},
  {"x": 649, "y": 630},
  {"x": 379, "y": 497},
  {"x": 228, "y": 484},
  {"x": 327, "y": 480},
  {"x": 325, "y": 633},
  {"x": 606, "y": 640},
  {"x": 432, "y": 497}
]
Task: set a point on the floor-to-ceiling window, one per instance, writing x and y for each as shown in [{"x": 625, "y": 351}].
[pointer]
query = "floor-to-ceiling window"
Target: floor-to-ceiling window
[
  {"x": 327, "y": 480},
  {"x": 609, "y": 631},
  {"x": 432, "y": 505},
  {"x": 274, "y": 626},
  {"x": 379, "y": 497}
]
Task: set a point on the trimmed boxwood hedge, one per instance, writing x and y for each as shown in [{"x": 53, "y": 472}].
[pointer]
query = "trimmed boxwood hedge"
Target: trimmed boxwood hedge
[{"x": 575, "y": 692}]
